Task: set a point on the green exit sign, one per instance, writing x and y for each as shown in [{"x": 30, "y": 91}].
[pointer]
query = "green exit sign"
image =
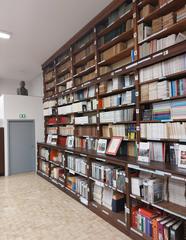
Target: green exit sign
[{"x": 22, "y": 116}]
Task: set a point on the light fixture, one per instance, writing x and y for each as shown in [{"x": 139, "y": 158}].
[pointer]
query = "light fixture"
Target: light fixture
[{"x": 5, "y": 35}]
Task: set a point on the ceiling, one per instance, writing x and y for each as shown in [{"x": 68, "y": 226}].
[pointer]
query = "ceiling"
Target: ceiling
[{"x": 39, "y": 28}]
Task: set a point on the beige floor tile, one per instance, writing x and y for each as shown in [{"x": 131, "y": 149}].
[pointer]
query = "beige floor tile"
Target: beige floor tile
[{"x": 33, "y": 209}]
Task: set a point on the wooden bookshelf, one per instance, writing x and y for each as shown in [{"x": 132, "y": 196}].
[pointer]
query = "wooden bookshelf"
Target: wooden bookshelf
[{"x": 90, "y": 82}]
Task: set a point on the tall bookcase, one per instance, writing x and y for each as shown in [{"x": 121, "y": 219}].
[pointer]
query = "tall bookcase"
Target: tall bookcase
[{"x": 123, "y": 75}]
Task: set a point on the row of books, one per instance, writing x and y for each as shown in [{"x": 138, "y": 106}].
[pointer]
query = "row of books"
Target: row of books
[
  {"x": 78, "y": 107},
  {"x": 113, "y": 51},
  {"x": 87, "y": 143},
  {"x": 65, "y": 85},
  {"x": 163, "y": 69},
  {"x": 170, "y": 110},
  {"x": 57, "y": 173},
  {"x": 51, "y": 130},
  {"x": 85, "y": 78},
  {"x": 63, "y": 67},
  {"x": 49, "y": 104},
  {"x": 163, "y": 89},
  {"x": 78, "y": 185},
  {"x": 125, "y": 98},
  {"x": 44, "y": 152},
  {"x": 105, "y": 196},
  {"x": 66, "y": 131},
  {"x": 50, "y": 85},
  {"x": 117, "y": 116},
  {"x": 63, "y": 57},
  {"x": 84, "y": 53},
  {"x": 57, "y": 156},
  {"x": 127, "y": 131},
  {"x": 84, "y": 40},
  {"x": 151, "y": 189},
  {"x": 176, "y": 130},
  {"x": 43, "y": 167},
  {"x": 151, "y": 151},
  {"x": 110, "y": 175},
  {"x": 77, "y": 164},
  {"x": 49, "y": 112},
  {"x": 67, "y": 99},
  {"x": 155, "y": 45},
  {"x": 123, "y": 9},
  {"x": 66, "y": 119},
  {"x": 48, "y": 76},
  {"x": 85, "y": 67},
  {"x": 158, "y": 24},
  {"x": 65, "y": 77},
  {"x": 153, "y": 224},
  {"x": 116, "y": 83},
  {"x": 86, "y": 131},
  {"x": 51, "y": 121},
  {"x": 124, "y": 27},
  {"x": 85, "y": 93},
  {"x": 85, "y": 120}
]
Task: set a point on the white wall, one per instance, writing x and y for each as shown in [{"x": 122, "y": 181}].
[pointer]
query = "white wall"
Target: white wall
[
  {"x": 31, "y": 106},
  {"x": 35, "y": 87},
  {"x": 8, "y": 87}
]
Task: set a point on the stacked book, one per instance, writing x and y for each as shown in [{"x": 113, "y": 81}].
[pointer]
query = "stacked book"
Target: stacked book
[
  {"x": 51, "y": 130},
  {"x": 57, "y": 172}
]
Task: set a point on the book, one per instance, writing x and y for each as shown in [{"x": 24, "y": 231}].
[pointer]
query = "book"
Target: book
[
  {"x": 102, "y": 146},
  {"x": 144, "y": 154},
  {"x": 177, "y": 231},
  {"x": 182, "y": 156}
]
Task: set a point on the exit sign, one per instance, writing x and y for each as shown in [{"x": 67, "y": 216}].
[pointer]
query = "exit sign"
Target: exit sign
[{"x": 22, "y": 116}]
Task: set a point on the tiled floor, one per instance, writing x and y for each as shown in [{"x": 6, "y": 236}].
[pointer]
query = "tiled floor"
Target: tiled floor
[{"x": 33, "y": 209}]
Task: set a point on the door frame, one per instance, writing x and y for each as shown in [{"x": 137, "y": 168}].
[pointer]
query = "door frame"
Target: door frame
[{"x": 8, "y": 131}]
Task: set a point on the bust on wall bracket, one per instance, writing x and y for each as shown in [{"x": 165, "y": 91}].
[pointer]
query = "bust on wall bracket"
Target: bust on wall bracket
[{"x": 22, "y": 90}]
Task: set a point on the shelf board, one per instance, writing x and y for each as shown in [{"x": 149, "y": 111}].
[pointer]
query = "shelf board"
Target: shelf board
[
  {"x": 176, "y": 28},
  {"x": 122, "y": 122},
  {"x": 162, "y": 99},
  {"x": 84, "y": 60},
  {"x": 122, "y": 37},
  {"x": 85, "y": 72},
  {"x": 163, "y": 10},
  {"x": 164, "y": 140},
  {"x": 163, "y": 121},
  {"x": 168, "y": 77},
  {"x": 123, "y": 54},
  {"x": 117, "y": 91},
  {"x": 127, "y": 15},
  {"x": 159, "y": 168},
  {"x": 118, "y": 107},
  {"x": 142, "y": 3},
  {"x": 166, "y": 206}
]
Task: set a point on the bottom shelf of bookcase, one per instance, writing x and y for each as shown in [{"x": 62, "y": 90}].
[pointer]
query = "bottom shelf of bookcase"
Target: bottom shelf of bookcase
[
  {"x": 172, "y": 208},
  {"x": 116, "y": 219}
]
